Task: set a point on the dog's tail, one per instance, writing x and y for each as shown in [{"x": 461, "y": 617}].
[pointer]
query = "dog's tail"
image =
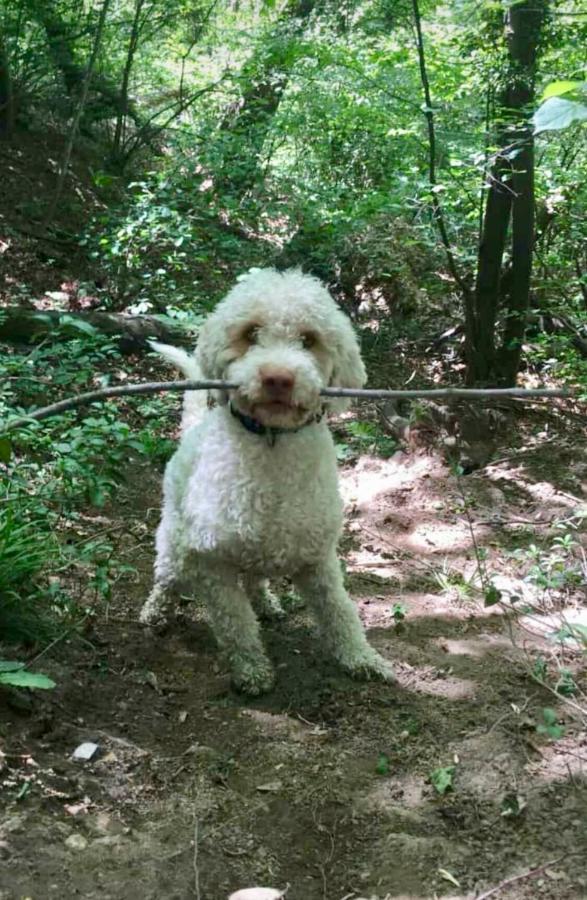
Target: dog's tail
[{"x": 195, "y": 403}]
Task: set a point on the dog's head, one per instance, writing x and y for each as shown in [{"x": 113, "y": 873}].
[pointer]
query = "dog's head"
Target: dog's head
[{"x": 281, "y": 338}]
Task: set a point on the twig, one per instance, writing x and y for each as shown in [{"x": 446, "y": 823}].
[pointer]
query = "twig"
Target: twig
[
  {"x": 529, "y": 874},
  {"x": 365, "y": 394},
  {"x": 196, "y": 869}
]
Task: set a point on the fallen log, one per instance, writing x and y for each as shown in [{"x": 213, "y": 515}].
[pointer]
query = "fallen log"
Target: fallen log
[{"x": 21, "y": 325}]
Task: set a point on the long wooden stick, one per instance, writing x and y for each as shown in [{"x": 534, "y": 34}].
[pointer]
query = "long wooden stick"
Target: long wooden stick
[
  {"x": 156, "y": 387},
  {"x": 531, "y": 873}
]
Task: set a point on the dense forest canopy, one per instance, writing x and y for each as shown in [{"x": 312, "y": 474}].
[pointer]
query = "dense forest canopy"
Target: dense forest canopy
[{"x": 387, "y": 147}]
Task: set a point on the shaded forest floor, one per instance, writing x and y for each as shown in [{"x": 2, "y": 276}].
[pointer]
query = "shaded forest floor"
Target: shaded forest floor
[{"x": 325, "y": 783}]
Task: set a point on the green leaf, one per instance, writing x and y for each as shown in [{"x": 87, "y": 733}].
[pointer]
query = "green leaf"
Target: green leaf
[
  {"x": 492, "y": 595},
  {"x": 441, "y": 779},
  {"x": 383, "y": 764},
  {"x": 10, "y": 665},
  {"x": 27, "y": 679},
  {"x": 551, "y": 728},
  {"x": 78, "y": 324},
  {"x": 5, "y": 450},
  {"x": 556, "y": 114},
  {"x": 399, "y": 611},
  {"x": 556, "y": 88}
]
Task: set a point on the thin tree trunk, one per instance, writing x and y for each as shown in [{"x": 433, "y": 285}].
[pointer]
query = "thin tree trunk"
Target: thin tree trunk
[
  {"x": 60, "y": 46},
  {"x": 80, "y": 108},
  {"x": 6, "y": 95},
  {"x": 481, "y": 333},
  {"x": 437, "y": 211},
  {"x": 524, "y": 21},
  {"x": 130, "y": 57}
]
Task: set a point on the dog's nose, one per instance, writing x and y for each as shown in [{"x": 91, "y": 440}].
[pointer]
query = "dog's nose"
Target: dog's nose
[{"x": 278, "y": 383}]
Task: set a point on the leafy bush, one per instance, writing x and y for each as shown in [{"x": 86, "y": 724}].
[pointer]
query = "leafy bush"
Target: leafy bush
[
  {"x": 26, "y": 548},
  {"x": 52, "y": 469}
]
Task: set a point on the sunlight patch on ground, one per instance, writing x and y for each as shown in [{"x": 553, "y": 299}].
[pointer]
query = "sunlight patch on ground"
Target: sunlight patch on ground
[
  {"x": 373, "y": 477},
  {"x": 562, "y": 620},
  {"x": 278, "y": 725},
  {"x": 561, "y": 759},
  {"x": 424, "y": 606},
  {"x": 487, "y": 763},
  {"x": 441, "y": 537},
  {"x": 434, "y": 682},
  {"x": 476, "y": 647},
  {"x": 543, "y": 493}
]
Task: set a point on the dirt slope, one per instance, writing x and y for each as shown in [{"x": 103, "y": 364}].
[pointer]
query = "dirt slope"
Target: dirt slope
[{"x": 325, "y": 783}]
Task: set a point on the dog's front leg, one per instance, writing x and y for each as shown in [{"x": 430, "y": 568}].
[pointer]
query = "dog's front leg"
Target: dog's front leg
[
  {"x": 235, "y": 628},
  {"x": 322, "y": 586},
  {"x": 169, "y": 566}
]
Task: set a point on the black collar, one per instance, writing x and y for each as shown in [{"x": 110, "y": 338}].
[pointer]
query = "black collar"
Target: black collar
[{"x": 270, "y": 432}]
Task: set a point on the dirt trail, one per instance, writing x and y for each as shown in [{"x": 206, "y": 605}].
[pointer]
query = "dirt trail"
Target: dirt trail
[{"x": 325, "y": 783}]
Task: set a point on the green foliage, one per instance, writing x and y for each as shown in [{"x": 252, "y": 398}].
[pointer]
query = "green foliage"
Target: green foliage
[
  {"x": 549, "y": 725},
  {"x": 52, "y": 470},
  {"x": 15, "y": 675},
  {"x": 365, "y": 437},
  {"x": 554, "y": 567},
  {"x": 563, "y": 104},
  {"x": 442, "y": 779},
  {"x": 26, "y": 548},
  {"x": 383, "y": 766}
]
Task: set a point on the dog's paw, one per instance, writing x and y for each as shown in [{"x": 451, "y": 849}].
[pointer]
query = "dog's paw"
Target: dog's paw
[
  {"x": 368, "y": 665},
  {"x": 153, "y": 613},
  {"x": 252, "y": 675}
]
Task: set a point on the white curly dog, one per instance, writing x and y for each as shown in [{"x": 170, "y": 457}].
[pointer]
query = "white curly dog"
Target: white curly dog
[{"x": 252, "y": 493}]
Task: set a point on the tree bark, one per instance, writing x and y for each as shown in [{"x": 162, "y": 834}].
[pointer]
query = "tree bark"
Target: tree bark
[
  {"x": 525, "y": 22},
  {"x": 510, "y": 200}
]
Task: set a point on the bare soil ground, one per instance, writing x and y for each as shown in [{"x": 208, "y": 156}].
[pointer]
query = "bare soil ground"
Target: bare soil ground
[{"x": 323, "y": 785}]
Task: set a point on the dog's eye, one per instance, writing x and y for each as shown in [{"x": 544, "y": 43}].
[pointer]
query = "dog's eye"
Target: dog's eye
[
  {"x": 309, "y": 340},
  {"x": 251, "y": 334}
]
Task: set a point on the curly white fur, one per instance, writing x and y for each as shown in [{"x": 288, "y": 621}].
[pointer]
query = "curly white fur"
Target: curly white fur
[{"x": 241, "y": 507}]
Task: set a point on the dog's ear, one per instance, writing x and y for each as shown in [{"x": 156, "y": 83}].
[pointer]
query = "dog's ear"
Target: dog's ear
[
  {"x": 349, "y": 370},
  {"x": 209, "y": 353}
]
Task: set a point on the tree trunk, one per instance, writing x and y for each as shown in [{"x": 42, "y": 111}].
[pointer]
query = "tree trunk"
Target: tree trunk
[
  {"x": 6, "y": 97},
  {"x": 130, "y": 56},
  {"x": 525, "y": 26},
  {"x": 510, "y": 197},
  {"x": 245, "y": 126},
  {"x": 481, "y": 328},
  {"x": 80, "y": 109}
]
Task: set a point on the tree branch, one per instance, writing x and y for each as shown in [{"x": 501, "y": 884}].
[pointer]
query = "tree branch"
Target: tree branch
[
  {"x": 531, "y": 873},
  {"x": 366, "y": 394}
]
